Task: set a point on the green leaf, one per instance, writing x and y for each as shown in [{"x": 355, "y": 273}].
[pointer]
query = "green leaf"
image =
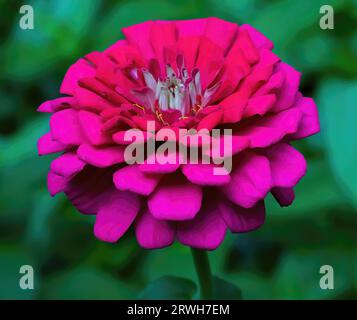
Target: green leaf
[
  {"x": 337, "y": 100},
  {"x": 169, "y": 288},
  {"x": 224, "y": 290},
  {"x": 85, "y": 283}
]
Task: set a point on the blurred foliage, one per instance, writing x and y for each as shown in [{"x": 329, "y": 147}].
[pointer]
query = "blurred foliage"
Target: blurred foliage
[{"x": 279, "y": 261}]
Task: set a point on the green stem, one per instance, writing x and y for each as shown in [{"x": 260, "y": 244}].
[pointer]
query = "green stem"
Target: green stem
[{"x": 204, "y": 274}]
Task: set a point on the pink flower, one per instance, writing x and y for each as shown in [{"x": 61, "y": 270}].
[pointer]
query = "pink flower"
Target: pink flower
[{"x": 200, "y": 74}]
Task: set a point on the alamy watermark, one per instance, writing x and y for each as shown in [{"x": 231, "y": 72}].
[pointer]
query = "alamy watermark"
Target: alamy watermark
[{"x": 27, "y": 278}]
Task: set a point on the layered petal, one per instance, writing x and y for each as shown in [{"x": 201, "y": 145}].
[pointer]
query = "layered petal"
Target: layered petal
[
  {"x": 250, "y": 180},
  {"x": 152, "y": 233},
  {"x": 175, "y": 201},
  {"x": 116, "y": 216},
  {"x": 206, "y": 231},
  {"x": 239, "y": 219}
]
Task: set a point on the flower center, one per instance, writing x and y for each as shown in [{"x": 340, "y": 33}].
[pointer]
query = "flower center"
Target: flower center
[{"x": 178, "y": 91}]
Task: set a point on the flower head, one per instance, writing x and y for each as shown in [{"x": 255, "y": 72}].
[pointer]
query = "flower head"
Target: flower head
[{"x": 197, "y": 74}]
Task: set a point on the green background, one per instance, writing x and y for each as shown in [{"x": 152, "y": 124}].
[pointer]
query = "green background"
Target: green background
[{"x": 279, "y": 261}]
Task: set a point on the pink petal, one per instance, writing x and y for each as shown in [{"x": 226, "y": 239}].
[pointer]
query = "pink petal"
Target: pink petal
[
  {"x": 271, "y": 129},
  {"x": 152, "y": 233},
  {"x": 141, "y": 137},
  {"x": 116, "y": 216},
  {"x": 78, "y": 70},
  {"x": 287, "y": 165},
  {"x": 203, "y": 174},
  {"x": 189, "y": 35},
  {"x": 289, "y": 90},
  {"x": 139, "y": 35},
  {"x": 220, "y": 149},
  {"x": 58, "y": 104},
  {"x": 92, "y": 127},
  {"x": 89, "y": 190},
  {"x": 56, "y": 184},
  {"x": 175, "y": 201},
  {"x": 159, "y": 163},
  {"x": 130, "y": 178},
  {"x": 65, "y": 127},
  {"x": 221, "y": 32},
  {"x": 46, "y": 145},
  {"x": 206, "y": 231},
  {"x": 233, "y": 107},
  {"x": 259, "y": 105},
  {"x": 284, "y": 196},
  {"x": 250, "y": 180},
  {"x": 258, "y": 38},
  {"x": 101, "y": 157},
  {"x": 210, "y": 121},
  {"x": 239, "y": 219},
  {"x": 309, "y": 123},
  {"x": 67, "y": 165}
]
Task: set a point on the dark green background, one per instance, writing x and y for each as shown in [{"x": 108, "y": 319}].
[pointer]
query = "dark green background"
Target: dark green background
[{"x": 280, "y": 261}]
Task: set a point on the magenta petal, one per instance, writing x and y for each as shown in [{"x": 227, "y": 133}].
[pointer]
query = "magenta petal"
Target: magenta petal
[
  {"x": 287, "y": 165},
  {"x": 259, "y": 105},
  {"x": 289, "y": 90},
  {"x": 152, "y": 233},
  {"x": 58, "y": 104},
  {"x": 159, "y": 163},
  {"x": 309, "y": 123},
  {"x": 284, "y": 196},
  {"x": 250, "y": 180},
  {"x": 78, "y": 70},
  {"x": 56, "y": 183},
  {"x": 206, "y": 231},
  {"x": 271, "y": 129},
  {"x": 101, "y": 157},
  {"x": 92, "y": 127},
  {"x": 89, "y": 190},
  {"x": 46, "y": 145},
  {"x": 258, "y": 38},
  {"x": 203, "y": 174},
  {"x": 176, "y": 201},
  {"x": 65, "y": 127},
  {"x": 116, "y": 216},
  {"x": 239, "y": 219},
  {"x": 130, "y": 178},
  {"x": 67, "y": 165}
]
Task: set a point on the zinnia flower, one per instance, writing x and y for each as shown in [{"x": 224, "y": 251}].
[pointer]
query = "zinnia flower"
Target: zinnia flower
[{"x": 196, "y": 74}]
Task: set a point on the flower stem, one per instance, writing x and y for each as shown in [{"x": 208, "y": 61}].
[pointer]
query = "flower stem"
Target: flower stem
[{"x": 204, "y": 274}]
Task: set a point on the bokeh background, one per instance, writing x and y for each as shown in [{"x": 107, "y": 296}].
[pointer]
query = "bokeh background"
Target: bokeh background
[{"x": 279, "y": 261}]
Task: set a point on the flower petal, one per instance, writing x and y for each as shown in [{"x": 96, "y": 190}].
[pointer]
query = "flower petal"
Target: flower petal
[
  {"x": 78, "y": 70},
  {"x": 101, "y": 157},
  {"x": 45, "y": 145},
  {"x": 92, "y": 127},
  {"x": 175, "y": 200},
  {"x": 56, "y": 183},
  {"x": 250, "y": 180},
  {"x": 204, "y": 174},
  {"x": 130, "y": 178},
  {"x": 287, "y": 165},
  {"x": 65, "y": 127},
  {"x": 67, "y": 165},
  {"x": 284, "y": 196},
  {"x": 239, "y": 219},
  {"x": 309, "y": 123},
  {"x": 206, "y": 231},
  {"x": 116, "y": 216},
  {"x": 152, "y": 233}
]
